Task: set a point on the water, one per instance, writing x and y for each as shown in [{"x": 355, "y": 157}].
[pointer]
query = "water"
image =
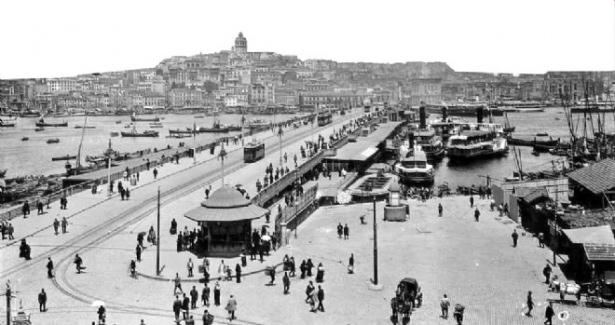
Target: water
[
  {"x": 551, "y": 121},
  {"x": 33, "y": 157}
]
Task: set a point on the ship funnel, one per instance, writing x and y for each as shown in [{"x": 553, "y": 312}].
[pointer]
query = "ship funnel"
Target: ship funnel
[
  {"x": 444, "y": 113},
  {"x": 479, "y": 114},
  {"x": 410, "y": 140},
  {"x": 422, "y": 117}
]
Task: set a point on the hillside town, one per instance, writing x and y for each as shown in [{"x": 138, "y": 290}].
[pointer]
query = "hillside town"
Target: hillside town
[{"x": 237, "y": 79}]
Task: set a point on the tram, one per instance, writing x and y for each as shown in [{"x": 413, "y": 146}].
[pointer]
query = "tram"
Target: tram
[
  {"x": 324, "y": 119},
  {"x": 253, "y": 151}
]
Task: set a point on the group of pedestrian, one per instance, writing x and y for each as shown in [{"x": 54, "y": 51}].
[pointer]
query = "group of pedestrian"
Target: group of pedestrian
[
  {"x": 315, "y": 297},
  {"x": 57, "y": 224},
  {"x": 124, "y": 191},
  {"x": 343, "y": 231},
  {"x": 7, "y": 230}
]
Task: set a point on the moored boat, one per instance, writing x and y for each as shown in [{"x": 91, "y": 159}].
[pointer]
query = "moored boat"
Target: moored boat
[
  {"x": 41, "y": 123},
  {"x": 134, "y": 118},
  {"x": 431, "y": 144},
  {"x": 53, "y": 140},
  {"x": 134, "y": 134},
  {"x": 474, "y": 144},
  {"x": 25, "y": 139},
  {"x": 39, "y": 129},
  {"x": 67, "y": 157},
  {"x": 86, "y": 127},
  {"x": 413, "y": 166}
]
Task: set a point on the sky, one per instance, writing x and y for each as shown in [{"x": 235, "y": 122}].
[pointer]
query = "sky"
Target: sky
[{"x": 64, "y": 38}]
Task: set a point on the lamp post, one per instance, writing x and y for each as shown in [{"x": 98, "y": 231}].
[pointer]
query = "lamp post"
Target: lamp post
[
  {"x": 194, "y": 141},
  {"x": 280, "y": 133},
  {"x": 109, "y": 152},
  {"x": 222, "y": 154},
  {"x": 158, "y": 236}
]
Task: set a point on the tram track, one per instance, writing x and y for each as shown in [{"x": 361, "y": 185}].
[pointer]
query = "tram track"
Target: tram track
[
  {"x": 179, "y": 190},
  {"x": 109, "y": 228}
]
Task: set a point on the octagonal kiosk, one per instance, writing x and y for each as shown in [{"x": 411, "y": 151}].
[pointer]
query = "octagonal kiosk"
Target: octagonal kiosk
[{"x": 226, "y": 222}]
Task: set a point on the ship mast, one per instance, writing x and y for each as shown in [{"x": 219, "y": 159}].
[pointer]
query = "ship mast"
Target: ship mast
[{"x": 81, "y": 142}]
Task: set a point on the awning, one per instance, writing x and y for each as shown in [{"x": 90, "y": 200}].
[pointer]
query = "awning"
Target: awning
[
  {"x": 597, "y": 252},
  {"x": 591, "y": 235}
]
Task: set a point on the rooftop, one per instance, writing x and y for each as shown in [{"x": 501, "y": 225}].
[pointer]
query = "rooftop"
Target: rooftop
[{"x": 597, "y": 178}]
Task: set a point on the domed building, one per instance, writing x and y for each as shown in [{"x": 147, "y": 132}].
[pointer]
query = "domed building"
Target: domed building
[
  {"x": 241, "y": 44},
  {"x": 226, "y": 222}
]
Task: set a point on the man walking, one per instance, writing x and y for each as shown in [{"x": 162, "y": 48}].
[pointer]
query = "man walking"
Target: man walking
[
  {"x": 286, "y": 282},
  {"x": 346, "y": 231},
  {"x": 238, "y": 273},
  {"x": 205, "y": 295},
  {"x": 471, "y": 201},
  {"x": 321, "y": 296},
  {"x": 138, "y": 251},
  {"x": 49, "y": 267},
  {"x": 445, "y": 303},
  {"x": 547, "y": 273},
  {"x": 186, "y": 306},
  {"x": 42, "y": 301},
  {"x": 440, "y": 209},
  {"x": 64, "y": 224},
  {"x": 56, "y": 225},
  {"x": 476, "y": 214},
  {"x": 231, "y": 307},
  {"x": 515, "y": 237},
  {"x": 549, "y": 313},
  {"x": 177, "y": 306},
  {"x": 178, "y": 284},
  {"x": 340, "y": 230},
  {"x": 530, "y": 304}
]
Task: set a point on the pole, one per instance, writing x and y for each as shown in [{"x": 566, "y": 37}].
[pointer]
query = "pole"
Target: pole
[
  {"x": 158, "y": 236},
  {"x": 8, "y": 305},
  {"x": 375, "y": 246},
  {"x": 109, "y": 152},
  {"x": 194, "y": 141},
  {"x": 280, "y": 134}
]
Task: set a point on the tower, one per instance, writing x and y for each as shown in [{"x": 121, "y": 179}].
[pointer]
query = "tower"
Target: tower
[{"x": 241, "y": 44}]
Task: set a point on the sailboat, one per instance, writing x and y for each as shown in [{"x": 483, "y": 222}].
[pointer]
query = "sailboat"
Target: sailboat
[{"x": 507, "y": 127}]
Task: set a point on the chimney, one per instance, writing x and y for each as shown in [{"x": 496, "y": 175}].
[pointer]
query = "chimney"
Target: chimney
[
  {"x": 444, "y": 113},
  {"x": 422, "y": 118},
  {"x": 479, "y": 114}
]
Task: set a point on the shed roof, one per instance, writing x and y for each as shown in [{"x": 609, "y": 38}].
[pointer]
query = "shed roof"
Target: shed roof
[
  {"x": 597, "y": 178},
  {"x": 597, "y": 252},
  {"x": 591, "y": 235},
  {"x": 530, "y": 195}
]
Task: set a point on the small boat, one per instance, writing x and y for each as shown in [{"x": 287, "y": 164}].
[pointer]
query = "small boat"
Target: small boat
[
  {"x": 86, "y": 127},
  {"x": 134, "y": 118},
  {"x": 118, "y": 122},
  {"x": 134, "y": 134},
  {"x": 41, "y": 123},
  {"x": 542, "y": 134},
  {"x": 25, "y": 139},
  {"x": 114, "y": 134},
  {"x": 53, "y": 140},
  {"x": 156, "y": 126},
  {"x": 178, "y": 136},
  {"x": 67, "y": 157},
  {"x": 39, "y": 129},
  {"x": 7, "y": 122}
]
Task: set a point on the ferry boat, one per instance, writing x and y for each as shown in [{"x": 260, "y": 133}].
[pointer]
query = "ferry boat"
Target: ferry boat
[
  {"x": 476, "y": 143},
  {"x": 431, "y": 143},
  {"x": 464, "y": 109},
  {"x": 216, "y": 128},
  {"x": 413, "y": 166}
]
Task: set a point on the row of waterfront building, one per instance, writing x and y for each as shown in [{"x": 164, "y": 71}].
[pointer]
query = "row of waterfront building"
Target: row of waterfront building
[{"x": 242, "y": 78}]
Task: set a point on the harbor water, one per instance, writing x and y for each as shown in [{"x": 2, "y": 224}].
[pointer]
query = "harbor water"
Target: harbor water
[{"x": 33, "y": 157}]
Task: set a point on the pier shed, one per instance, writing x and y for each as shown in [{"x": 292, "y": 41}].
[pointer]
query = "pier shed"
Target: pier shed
[{"x": 359, "y": 155}]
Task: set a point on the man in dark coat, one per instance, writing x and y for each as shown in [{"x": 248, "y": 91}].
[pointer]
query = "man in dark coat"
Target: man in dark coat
[
  {"x": 346, "y": 231},
  {"x": 321, "y": 296},
  {"x": 208, "y": 319},
  {"x": 238, "y": 272},
  {"x": 186, "y": 306},
  {"x": 340, "y": 230},
  {"x": 177, "y": 306},
  {"x": 549, "y": 313},
  {"x": 138, "y": 250},
  {"x": 547, "y": 273},
  {"x": 515, "y": 237},
  {"x": 286, "y": 282},
  {"x": 42, "y": 301},
  {"x": 205, "y": 295},
  {"x": 49, "y": 267},
  {"x": 194, "y": 297},
  {"x": 476, "y": 214}
]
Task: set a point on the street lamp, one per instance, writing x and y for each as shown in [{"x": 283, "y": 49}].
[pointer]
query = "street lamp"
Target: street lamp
[
  {"x": 280, "y": 133},
  {"x": 194, "y": 141}
]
